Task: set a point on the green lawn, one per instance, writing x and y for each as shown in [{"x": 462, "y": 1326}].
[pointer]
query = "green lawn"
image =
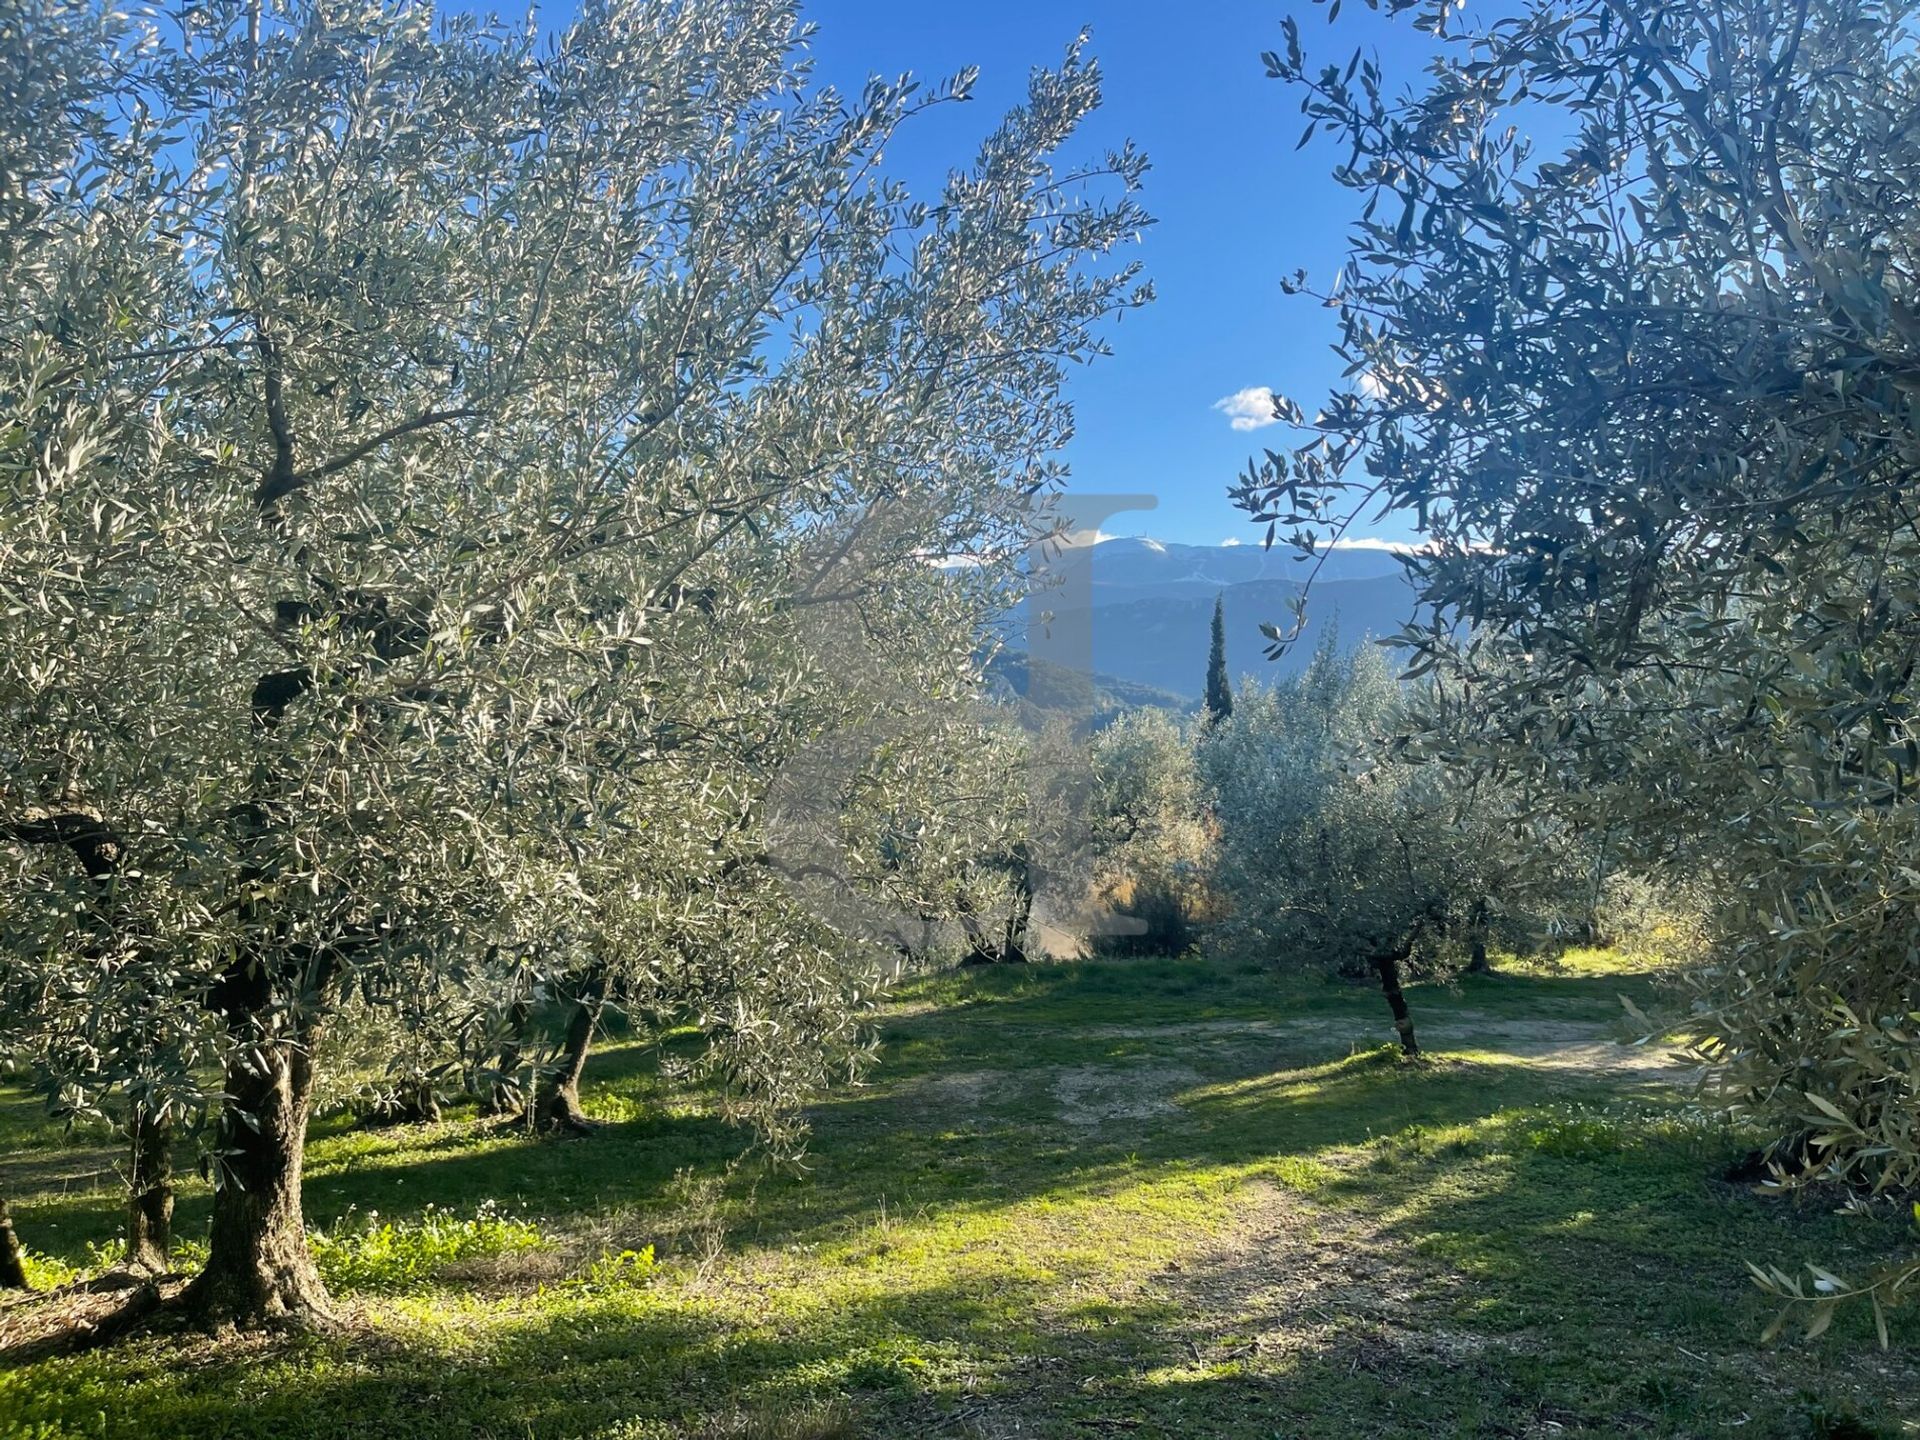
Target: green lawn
[{"x": 1154, "y": 1198}]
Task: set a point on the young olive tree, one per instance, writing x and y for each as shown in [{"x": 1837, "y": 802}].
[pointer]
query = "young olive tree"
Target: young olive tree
[
  {"x": 837, "y": 819},
  {"x": 412, "y": 427},
  {"x": 1155, "y": 833},
  {"x": 1332, "y": 850}
]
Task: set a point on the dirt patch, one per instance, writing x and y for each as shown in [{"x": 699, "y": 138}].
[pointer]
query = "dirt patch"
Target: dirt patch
[
  {"x": 32, "y": 1174},
  {"x": 1202, "y": 1028},
  {"x": 1290, "y": 1280},
  {"x": 1088, "y": 1096},
  {"x": 1574, "y": 1046},
  {"x": 956, "y": 1092},
  {"x": 1570, "y": 1046},
  {"x": 493, "y": 1277},
  {"x": 1557, "y": 1044},
  {"x": 1091, "y": 1096},
  {"x": 1290, "y": 1276}
]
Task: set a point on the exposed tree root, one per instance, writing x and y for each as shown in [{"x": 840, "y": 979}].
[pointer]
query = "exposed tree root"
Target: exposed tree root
[
  {"x": 84, "y": 1316},
  {"x": 123, "y": 1304},
  {"x": 558, "y": 1112}
]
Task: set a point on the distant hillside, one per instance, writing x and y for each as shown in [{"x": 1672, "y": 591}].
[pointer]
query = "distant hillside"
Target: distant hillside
[
  {"x": 1047, "y": 686},
  {"x": 1143, "y": 568},
  {"x": 1151, "y": 603}
]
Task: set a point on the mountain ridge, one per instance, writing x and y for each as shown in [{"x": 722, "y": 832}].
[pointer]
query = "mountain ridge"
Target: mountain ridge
[{"x": 1147, "y": 605}]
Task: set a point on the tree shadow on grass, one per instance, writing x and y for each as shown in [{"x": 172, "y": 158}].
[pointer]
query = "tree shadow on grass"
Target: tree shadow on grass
[
  {"x": 1062, "y": 1351},
  {"x": 1172, "y": 993},
  {"x": 67, "y": 1200},
  {"x": 1023, "y": 1017},
  {"x": 601, "y": 1367},
  {"x": 1540, "y": 1270},
  {"x": 1583, "y": 1264},
  {"x": 1059, "y": 1014}
]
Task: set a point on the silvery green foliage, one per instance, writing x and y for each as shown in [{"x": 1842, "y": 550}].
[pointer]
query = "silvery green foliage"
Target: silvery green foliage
[
  {"x": 1649, "y": 384},
  {"x": 84, "y": 995},
  {"x": 433, "y": 456},
  {"x": 1156, "y": 835},
  {"x": 941, "y": 825},
  {"x": 1332, "y": 852}
]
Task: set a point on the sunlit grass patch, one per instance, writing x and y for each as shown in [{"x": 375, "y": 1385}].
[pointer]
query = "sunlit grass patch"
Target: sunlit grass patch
[
  {"x": 367, "y": 1253},
  {"x": 1610, "y": 1132},
  {"x": 1297, "y": 1173},
  {"x": 1593, "y": 960},
  {"x": 1304, "y": 1235},
  {"x": 50, "y": 1272}
]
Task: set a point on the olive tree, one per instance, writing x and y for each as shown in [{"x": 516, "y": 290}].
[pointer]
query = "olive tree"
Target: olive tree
[
  {"x": 1648, "y": 384},
  {"x": 413, "y": 427},
  {"x": 1333, "y": 851},
  {"x": 1154, "y": 831}
]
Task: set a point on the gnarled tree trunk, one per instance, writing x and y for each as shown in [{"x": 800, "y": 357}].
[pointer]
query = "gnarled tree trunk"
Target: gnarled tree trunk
[
  {"x": 1014, "y": 951},
  {"x": 1387, "y": 967},
  {"x": 150, "y": 1194},
  {"x": 980, "y": 949},
  {"x": 259, "y": 1270},
  {"x": 984, "y": 949},
  {"x": 1478, "y": 964},
  {"x": 13, "y": 1260},
  {"x": 557, "y": 1106}
]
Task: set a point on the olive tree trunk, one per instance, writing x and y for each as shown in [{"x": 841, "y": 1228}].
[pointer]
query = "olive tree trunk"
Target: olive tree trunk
[
  {"x": 259, "y": 1270},
  {"x": 980, "y": 949},
  {"x": 557, "y": 1106},
  {"x": 1387, "y": 966},
  {"x": 984, "y": 949},
  {"x": 13, "y": 1260},
  {"x": 150, "y": 1194},
  {"x": 415, "y": 1103},
  {"x": 1477, "y": 963},
  {"x": 1014, "y": 950}
]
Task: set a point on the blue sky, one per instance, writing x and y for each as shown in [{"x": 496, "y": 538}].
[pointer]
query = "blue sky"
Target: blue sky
[{"x": 1237, "y": 208}]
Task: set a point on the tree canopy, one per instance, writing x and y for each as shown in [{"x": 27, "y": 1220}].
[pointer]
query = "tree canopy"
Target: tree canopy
[
  {"x": 1647, "y": 381},
  {"x": 448, "y": 471}
]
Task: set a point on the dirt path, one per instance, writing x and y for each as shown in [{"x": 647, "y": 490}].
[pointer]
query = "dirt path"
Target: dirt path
[
  {"x": 1556, "y": 1044},
  {"x": 1092, "y": 1097}
]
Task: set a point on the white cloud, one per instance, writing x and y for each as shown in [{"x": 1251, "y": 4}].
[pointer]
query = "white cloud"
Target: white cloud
[
  {"x": 1231, "y": 540},
  {"x": 1248, "y": 409}
]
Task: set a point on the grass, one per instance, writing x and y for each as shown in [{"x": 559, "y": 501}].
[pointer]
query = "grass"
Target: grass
[{"x": 1153, "y": 1198}]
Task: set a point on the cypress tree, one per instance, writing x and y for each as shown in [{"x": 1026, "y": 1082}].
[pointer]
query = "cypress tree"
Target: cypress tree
[{"x": 1219, "y": 692}]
